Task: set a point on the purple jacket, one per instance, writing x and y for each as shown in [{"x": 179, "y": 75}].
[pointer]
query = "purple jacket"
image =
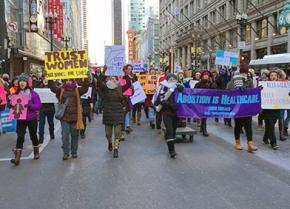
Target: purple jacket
[{"x": 34, "y": 105}]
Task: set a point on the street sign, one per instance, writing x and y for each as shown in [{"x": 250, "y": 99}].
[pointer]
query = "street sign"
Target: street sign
[
  {"x": 12, "y": 27},
  {"x": 241, "y": 45}
]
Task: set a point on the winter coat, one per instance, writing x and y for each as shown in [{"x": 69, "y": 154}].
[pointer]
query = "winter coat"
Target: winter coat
[
  {"x": 247, "y": 84},
  {"x": 86, "y": 105},
  {"x": 113, "y": 112},
  {"x": 168, "y": 106},
  {"x": 70, "y": 114},
  {"x": 205, "y": 84}
]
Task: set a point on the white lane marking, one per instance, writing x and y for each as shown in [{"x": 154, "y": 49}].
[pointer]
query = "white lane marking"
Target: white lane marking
[{"x": 45, "y": 143}]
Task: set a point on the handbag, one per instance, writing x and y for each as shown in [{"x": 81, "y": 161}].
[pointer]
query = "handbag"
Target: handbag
[{"x": 60, "y": 110}]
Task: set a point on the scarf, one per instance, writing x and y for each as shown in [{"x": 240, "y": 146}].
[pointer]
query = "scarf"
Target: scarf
[{"x": 70, "y": 87}]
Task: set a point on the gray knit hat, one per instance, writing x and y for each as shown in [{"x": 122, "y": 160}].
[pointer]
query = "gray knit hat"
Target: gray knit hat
[{"x": 23, "y": 77}]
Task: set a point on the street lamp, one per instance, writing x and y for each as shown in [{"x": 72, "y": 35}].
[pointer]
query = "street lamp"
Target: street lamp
[
  {"x": 66, "y": 40},
  {"x": 242, "y": 20},
  {"x": 51, "y": 19}
]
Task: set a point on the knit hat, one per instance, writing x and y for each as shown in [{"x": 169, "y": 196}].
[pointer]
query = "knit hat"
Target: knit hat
[
  {"x": 244, "y": 68},
  {"x": 206, "y": 72},
  {"x": 171, "y": 75},
  {"x": 23, "y": 77}
]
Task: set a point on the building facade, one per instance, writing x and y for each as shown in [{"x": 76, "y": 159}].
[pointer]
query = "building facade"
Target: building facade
[
  {"x": 117, "y": 18},
  {"x": 84, "y": 24},
  {"x": 194, "y": 29},
  {"x": 137, "y": 15}
]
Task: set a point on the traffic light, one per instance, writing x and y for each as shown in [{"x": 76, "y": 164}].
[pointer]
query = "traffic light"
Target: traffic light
[{"x": 243, "y": 58}]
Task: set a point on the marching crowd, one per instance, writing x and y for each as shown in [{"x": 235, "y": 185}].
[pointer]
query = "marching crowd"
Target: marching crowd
[{"x": 110, "y": 96}]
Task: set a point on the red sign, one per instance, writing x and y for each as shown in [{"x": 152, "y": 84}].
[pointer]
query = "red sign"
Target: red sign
[
  {"x": 58, "y": 5},
  {"x": 61, "y": 21},
  {"x": 131, "y": 36},
  {"x": 55, "y": 25}
]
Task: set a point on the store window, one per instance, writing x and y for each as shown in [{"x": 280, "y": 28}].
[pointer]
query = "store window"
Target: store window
[
  {"x": 262, "y": 28},
  {"x": 248, "y": 33}
]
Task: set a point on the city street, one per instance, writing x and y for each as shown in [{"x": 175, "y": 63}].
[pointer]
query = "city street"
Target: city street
[{"x": 207, "y": 173}]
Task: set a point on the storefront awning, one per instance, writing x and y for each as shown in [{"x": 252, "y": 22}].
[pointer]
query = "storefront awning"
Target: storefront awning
[
  {"x": 272, "y": 59},
  {"x": 28, "y": 54}
]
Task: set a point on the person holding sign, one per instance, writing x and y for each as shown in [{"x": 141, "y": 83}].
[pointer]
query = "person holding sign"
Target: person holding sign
[
  {"x": 47, "y": 111},
  {"x": 271, "y": 117},
  {"x": 71, "y": 120},
  {"x": 113, "y": 113},
  {"x": 30, "y": 120},
  {"x": 241, "y": 81},
  {"x": 166, "y": 106}
]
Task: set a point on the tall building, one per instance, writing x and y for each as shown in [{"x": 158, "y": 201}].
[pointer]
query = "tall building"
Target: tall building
[
  {"x": 194, "y": 29},
  {"x": 137, "y": 15},
  {"x": 84, "y": 26},
  {"x": 117, "y": 19}
]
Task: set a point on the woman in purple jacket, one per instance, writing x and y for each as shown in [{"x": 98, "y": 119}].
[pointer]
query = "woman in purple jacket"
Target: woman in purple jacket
[{"x": 33, "y": 107}]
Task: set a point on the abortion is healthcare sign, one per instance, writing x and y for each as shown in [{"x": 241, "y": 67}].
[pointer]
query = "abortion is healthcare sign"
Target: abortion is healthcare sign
[
  {"x": 275, "y": 94},
  {"x": 115, "y": 60},
  {"x": 207, "y": 103},
  {"x": 66, "y": 64}
]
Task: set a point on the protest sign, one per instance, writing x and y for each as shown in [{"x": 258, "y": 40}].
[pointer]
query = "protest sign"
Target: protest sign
[
  {"x": 8, "y": 124},
  {"x": 115, "y": 60},
  {"x": 138, "y": 67},
  {"x": 88, "y": 94},
  {"x": 226, "y": 58},
  {"x": 275, "y": 94},
  {"x": 3, "y": 95},
  {"x": 66, "y": 64},
  {"x": 207, "y": 103},
  {"x": 139, "y": 94},
  {"x": 19, "y": 107},
  {"x": 46, "y": 95},
  {"x": 148, "y": 83}
]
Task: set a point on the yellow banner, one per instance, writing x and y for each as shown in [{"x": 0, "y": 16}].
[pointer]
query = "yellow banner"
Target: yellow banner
[
  {"x": 66, "y": 64},
  {"x": 148, "y": 83}
]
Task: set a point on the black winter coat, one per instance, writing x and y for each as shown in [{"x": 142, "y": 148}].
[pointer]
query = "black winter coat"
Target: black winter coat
[{"x": 113, "y": 112}]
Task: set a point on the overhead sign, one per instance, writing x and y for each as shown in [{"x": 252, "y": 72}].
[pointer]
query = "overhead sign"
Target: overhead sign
[
  {"x": 33, "y": 15},
  {"x": 131, "y": 36},
  {"x": 241, "y": 45},
  {"x": 115, "y": 60},
  {"x": 66, "y": 64},
  {"x": 12, "y": 27},
  {"x": 226, "y": 58}
]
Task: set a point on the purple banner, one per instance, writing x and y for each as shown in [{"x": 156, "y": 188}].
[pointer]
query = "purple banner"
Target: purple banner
[{"x": 208, "y": 103}]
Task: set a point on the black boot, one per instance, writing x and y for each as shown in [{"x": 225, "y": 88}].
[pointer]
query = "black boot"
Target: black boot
[
  {"x": 286, "y": 132},
  {"x": 203, "y": 127},
  {"x": 116, "y": 153},
  {"x": 110, "y": 146},
  {"x": 51, "y": 133},
  {"x": 41, "y": 138},
  {"x": 171, "y": 149}
]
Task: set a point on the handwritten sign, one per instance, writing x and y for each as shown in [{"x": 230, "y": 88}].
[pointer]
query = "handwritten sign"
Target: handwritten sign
[
  {"x": 226, "y": 58},
  {"x": 19, "y": 107},
  {"x": 139, "y": 94},
  {"x": 46, "y": 96},
  {"x": 115, "y": 60},
  {"x": 66, "y": 64},
  {"x": 275, "y": 95},
  {"x": 148, "y": 83},
  {"x": 88, "y": 94}
]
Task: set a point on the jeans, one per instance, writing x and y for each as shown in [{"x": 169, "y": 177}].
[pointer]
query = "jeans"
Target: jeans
[
  {"x": 151, "y": 114},
  {"x": 270, "y": 130},
  {"x": 137, "y": 108},
  {"x": 68, "y": 130},
  {"x": 21, "y": 131},
  {"x": 245, "y": 122},
  {"x": 127, "y": 119},
  {"x": 42, "y": 117},
  {"x": 287, "y": 120},
  {"x": 170, "y": 122}
]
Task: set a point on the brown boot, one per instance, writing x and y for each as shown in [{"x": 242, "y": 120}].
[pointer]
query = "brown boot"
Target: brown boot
[
  {"x": 251, "y": 147},
  {"x": 16, "y": 160},
  {"x": 36, "y": 152},
  {"x": 238, "y": 145}
]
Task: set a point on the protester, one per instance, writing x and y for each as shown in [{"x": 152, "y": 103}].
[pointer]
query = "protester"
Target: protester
[
  {"x": 127, "y": 90},
  {"x": 205, "y": 83},
  {"x": 243, "y": 82},
  {"x": 14, "y": 86},
  {"x": 34, "y": 105},
  {"x": 71, "y": 121},
  {"x": 47, "y": 111},
  {"x": 271, "y": 117},
  {"x": 281, "y": 77},
  {"x": 113, "y": 114},
  {"x": 165, "y": 101}
]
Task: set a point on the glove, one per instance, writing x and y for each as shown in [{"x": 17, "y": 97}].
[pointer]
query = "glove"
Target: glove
[
  {"x": 242, "y": 89},
  {"x": 180, "y": 88}
]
